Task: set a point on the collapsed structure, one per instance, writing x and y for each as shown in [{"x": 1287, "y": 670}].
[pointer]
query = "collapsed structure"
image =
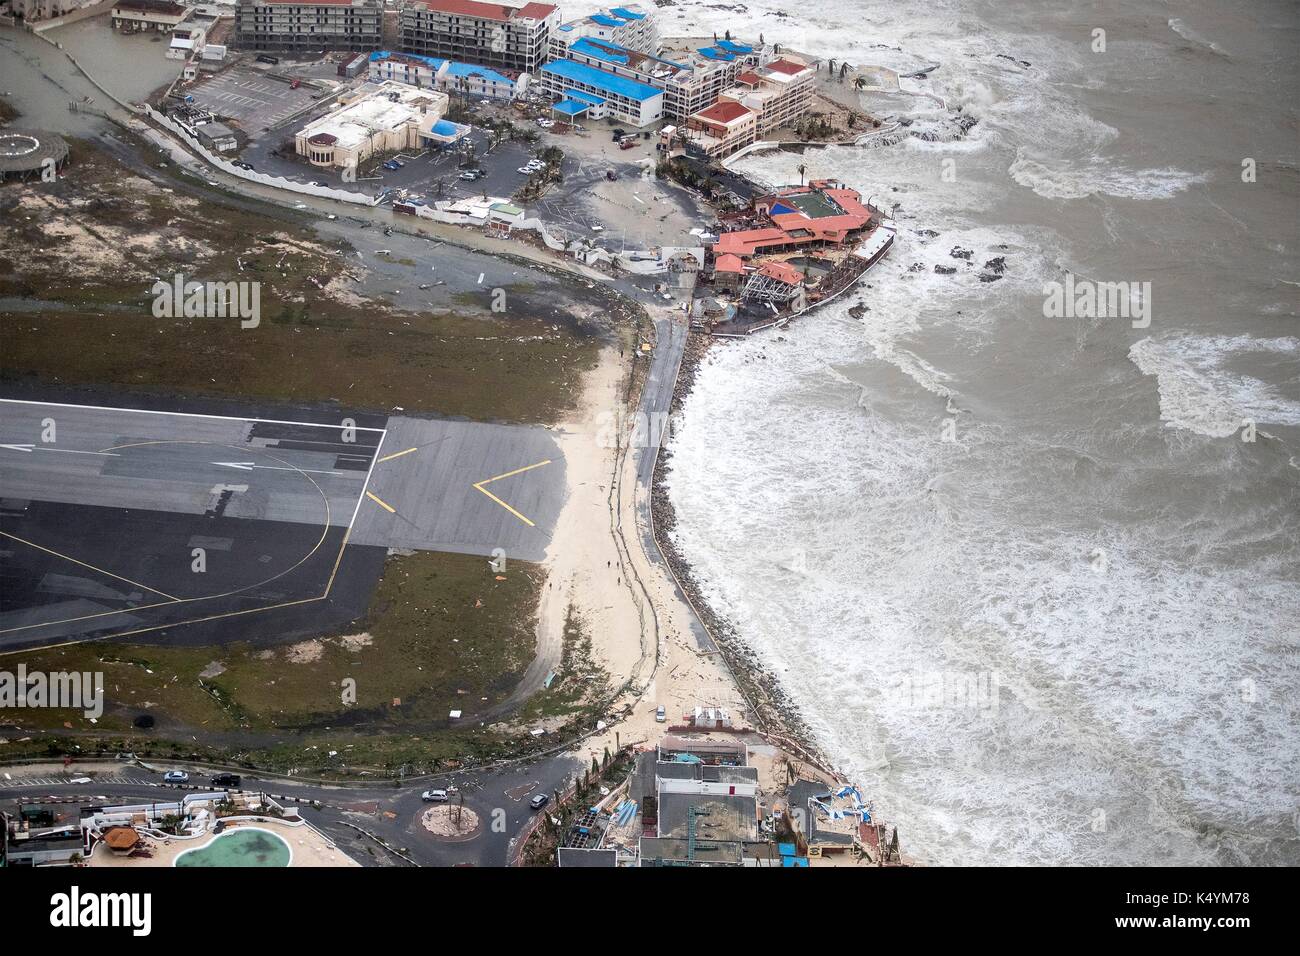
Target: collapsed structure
[{"x": 794, "y": 248}]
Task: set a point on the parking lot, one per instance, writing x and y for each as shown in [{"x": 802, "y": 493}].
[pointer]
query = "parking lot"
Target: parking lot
[{"x": 250, "y": 98}]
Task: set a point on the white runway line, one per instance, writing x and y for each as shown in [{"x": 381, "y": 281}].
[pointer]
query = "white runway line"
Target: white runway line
[{"x": 150, "y": 411}]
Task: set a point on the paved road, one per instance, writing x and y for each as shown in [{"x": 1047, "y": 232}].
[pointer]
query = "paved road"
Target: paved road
[{"x": 393, "y": 814}]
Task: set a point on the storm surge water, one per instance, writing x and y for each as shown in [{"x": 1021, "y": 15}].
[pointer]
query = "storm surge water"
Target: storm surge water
[{"x": 1033, "y": 581}]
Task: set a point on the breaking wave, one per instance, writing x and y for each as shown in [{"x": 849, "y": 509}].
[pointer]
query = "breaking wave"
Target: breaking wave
[{"x": 1199, "y": 391}]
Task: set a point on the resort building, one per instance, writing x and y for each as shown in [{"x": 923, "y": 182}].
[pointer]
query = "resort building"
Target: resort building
[
  {"x": 823, "y": 213},
  {"x": 388, "y": 118},
  {"x": 138, "y": 16},
  {"x": 299, "y": 25},
  {"x": 774, "y": 95},
  {"x": 722, "y": 129},
  {"x": 692, "y": 79},
  {"x": 493, "y": 34},
  {"x": 464, "y": 79},
  {"x": 631, "y": 27},
  {"x": 586, "y": 90}
]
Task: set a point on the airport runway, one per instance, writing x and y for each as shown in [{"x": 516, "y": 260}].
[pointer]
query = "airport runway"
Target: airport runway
[{"x": 178, "y": 525}]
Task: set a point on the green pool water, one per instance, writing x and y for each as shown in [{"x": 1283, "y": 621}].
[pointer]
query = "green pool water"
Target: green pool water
[{"x": 243, "y": 847}]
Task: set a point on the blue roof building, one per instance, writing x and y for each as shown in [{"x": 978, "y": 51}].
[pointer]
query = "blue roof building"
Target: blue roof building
[{"x": 623, "y": 99}]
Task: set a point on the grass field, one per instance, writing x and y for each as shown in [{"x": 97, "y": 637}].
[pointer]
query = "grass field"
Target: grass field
[
  {"x": 442, "y": 634},
  {"x": 98, "y": 240}
]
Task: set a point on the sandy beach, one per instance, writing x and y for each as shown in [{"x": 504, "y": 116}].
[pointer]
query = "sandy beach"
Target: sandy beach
[{"x": 639, "y": 625}]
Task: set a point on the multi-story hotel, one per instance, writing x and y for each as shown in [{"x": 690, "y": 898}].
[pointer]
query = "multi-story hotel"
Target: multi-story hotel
[
  {"x": 499, "y": 36},
  {"x": 763, "y": 99},
  {"x": 300, "y": 25},
  {"x": 598, "y": 94},
  {"x": 690, "y": 83},
  {"x": 631, "y": 27}
]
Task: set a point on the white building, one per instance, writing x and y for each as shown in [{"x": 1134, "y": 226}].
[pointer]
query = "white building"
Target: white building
[
  {"x": 464, "y": 79},
  {"x": 585, "y": 89},
  {"x": 187, "y": 42},
  {"x": 388, "y": 118},
  {"x": 136, "y": 16},
  {"x": 631, "y": 26}
]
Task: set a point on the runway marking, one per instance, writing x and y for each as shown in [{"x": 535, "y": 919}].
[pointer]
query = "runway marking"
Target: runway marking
[
  {"x": 379, "y": 501},
  {"x": 150, "y": 411},
  {"x": 28, "y": 447},
  {"x": 338, "y": 560},
  {"x": 32, "y": 544},
  {"x": 478, "y": 485},
  {"x": 397, "y": 454},
  {"x": 249, "y": 466}
]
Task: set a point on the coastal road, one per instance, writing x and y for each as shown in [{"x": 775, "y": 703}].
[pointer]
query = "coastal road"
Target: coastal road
[
  {"x": 656, "y": 404},
  {"x": 392, "y": 814}
]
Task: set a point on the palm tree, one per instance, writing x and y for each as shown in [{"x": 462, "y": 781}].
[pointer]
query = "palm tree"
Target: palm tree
[
  {"x": 860, "y": 83},
  {"x": 844, "y": 69},
  {"x": 802, "y": 169},
  {"x": 832, "y": 67}
]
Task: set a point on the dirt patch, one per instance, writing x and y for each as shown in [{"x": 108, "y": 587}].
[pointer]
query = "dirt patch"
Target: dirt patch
[{"x": 451, "y": 823}]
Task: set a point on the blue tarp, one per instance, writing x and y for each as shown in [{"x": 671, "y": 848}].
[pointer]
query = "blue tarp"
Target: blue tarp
[{"x": 735, "y": 47}]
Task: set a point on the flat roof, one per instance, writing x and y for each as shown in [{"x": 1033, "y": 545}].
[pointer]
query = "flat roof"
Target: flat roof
[
  {"x": 489, "y": 11},
  {"x": 576, "y": 72},
  {"x": 571, "y": 107}
]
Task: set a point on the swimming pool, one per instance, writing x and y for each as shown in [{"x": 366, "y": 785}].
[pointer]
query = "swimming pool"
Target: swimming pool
[{"x": 247, "y": 846}]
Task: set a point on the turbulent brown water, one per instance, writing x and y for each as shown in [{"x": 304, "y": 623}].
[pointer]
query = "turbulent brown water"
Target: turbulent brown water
[{"x": 1022, "y": 573}]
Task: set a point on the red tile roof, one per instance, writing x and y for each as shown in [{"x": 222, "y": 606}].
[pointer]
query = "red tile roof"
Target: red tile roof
[
  {"x": 727, "y": 262},
  {"x": 538, "y": 11},
  {"x": 782, "y": 272},
  {"x": 746, "y": 242},
  {"x": 750, "y": 77},
  {"x": 787, "y": 67},
  {"x": 724, "y": 111}
]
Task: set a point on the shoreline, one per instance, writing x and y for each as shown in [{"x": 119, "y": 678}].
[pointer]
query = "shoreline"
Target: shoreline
[{"x": 773, "y": 710}]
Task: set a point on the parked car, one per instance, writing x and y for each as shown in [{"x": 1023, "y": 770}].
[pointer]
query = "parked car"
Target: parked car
[
  {"x": 434, "y": 796},
  {"x": 240, "y": 164},
  {"x": 80, "y": 780},
  {"x": 176, "y": 776},
  {"x": 225, "y": 780},
  {"x": 539, "y": 801},
  {"x": 618, "y": 134},
  {"x": 295, "y": 84},
  {"x": 526, "y": 170},
  {"x": 661, "y": 714}
]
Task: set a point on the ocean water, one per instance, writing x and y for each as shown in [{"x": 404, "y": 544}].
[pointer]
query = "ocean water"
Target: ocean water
[{"x": 1025, "y": 579}]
